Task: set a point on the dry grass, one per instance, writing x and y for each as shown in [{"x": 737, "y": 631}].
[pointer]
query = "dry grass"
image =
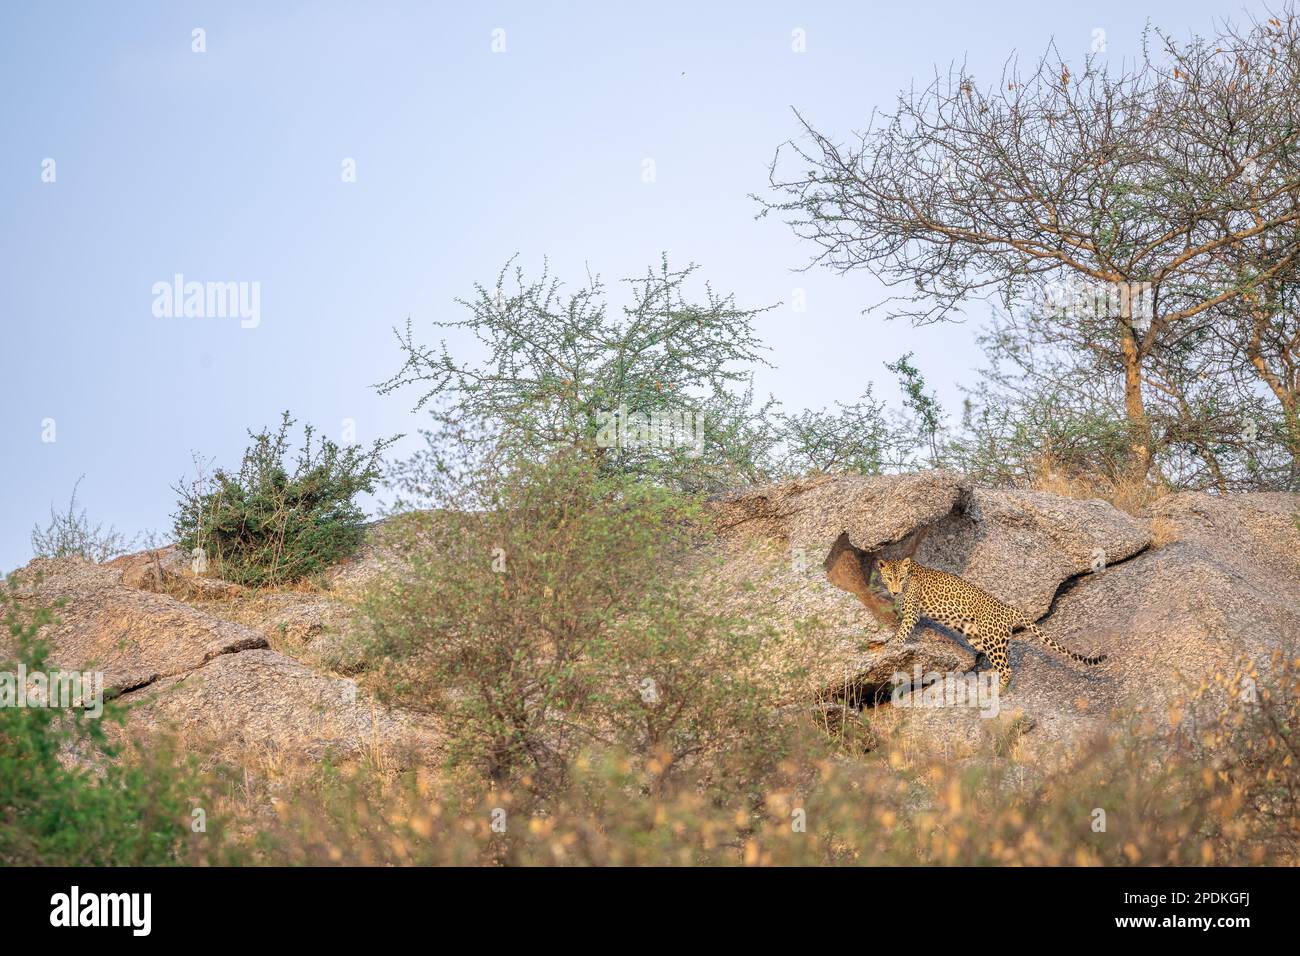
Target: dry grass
[
  {"x": 1205, "y": 785},
  {"x": 1210, "y": 781},
  {"x": 1125, "y": 493},
  {"x": 1163, "y": 531}
]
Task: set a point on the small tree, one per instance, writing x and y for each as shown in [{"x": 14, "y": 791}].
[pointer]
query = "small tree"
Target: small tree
[
  {"x": 924, "y": 406},
  {"x": 549, "y": 620},
  {"x": 662, "y": 391}
]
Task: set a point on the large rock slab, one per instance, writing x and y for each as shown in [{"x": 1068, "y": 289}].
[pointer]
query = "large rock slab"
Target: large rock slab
[
  {"x": 309, "y": 624},
  {"x": 873, "y": 511},
  {"x": 134, "y": 637},
  {"x": 264, "y": 702},
  {"x": 1254, "y": 534},
  {"x": 1225, "y": 585},
  {"x": 1021, "y": 546},
  {"x": 189, "y": 669}
]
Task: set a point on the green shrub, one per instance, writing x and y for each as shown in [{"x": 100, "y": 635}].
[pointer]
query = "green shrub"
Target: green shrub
[
  {"x": 275, "y": 521},
  {"x": 112, "y": 806},
  {"x": 550, "y": 620}
]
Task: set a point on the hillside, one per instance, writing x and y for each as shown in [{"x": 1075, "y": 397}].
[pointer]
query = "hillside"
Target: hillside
[{"x": 1172, "y": 597}]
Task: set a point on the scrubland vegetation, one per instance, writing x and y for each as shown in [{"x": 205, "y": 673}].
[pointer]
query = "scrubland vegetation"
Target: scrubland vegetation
[
  {"x": 597, "y": 708},
  {"x": 1229, "y": 799},
  {"x": 597, "y": 712}
]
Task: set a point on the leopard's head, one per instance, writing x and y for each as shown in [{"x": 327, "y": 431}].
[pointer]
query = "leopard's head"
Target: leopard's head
[{"x": 894, "y": 574}]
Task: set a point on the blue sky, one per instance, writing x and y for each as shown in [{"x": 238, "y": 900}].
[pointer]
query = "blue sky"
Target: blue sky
[{"x": 227, "y": 166}]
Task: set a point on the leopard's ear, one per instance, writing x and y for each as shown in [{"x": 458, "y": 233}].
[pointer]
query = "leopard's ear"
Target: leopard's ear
[{"x": 907, "y": 563}]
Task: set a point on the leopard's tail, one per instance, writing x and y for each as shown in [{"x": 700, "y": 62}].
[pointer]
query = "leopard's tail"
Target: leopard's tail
[{"x": 1034, "y": 629}]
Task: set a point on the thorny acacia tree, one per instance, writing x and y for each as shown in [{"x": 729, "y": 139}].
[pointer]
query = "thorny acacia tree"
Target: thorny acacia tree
[
  {"x": 856, "y": 437},
  {"x": 1047, "y": 405},
  {"x": 1170, "y": 191},
  {"x": 1263, "y": 335},
  {"x": 662, "y": 390}
]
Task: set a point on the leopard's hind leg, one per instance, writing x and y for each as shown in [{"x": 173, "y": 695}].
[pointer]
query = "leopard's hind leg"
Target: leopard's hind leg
[
  {"x": 997, "y": 654},
  {"x": 970, "y": 630}
]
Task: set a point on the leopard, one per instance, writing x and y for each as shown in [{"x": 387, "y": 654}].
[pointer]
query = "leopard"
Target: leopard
[{"x": 955, "y": 603}]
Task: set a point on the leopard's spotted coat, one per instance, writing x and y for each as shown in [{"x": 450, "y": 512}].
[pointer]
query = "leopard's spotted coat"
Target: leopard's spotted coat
[{"x": 948, "y": 600}]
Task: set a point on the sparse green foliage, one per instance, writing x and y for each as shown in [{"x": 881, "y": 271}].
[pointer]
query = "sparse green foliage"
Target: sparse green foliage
[
  {"x": 276, "y": 521},
  {"x": 71, "y": 534},
  {"x": 856, "y": 438},
  {"x": 559, "y": 369},
  {"x": 926, "y": 407},
  {"x": 549, "y": 621}
]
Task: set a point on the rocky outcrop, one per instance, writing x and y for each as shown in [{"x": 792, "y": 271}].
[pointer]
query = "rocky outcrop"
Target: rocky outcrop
[
  {"x": 1020, "y": 546},
  {"x": 190, "y": 668},
  {"x": 134, "y": 637},
  {"x": 1224, "y": 582},
  {"x": 1171, "y": 597},
  {"x": 261, "y": 701},
  {"x": 873, "y": 511}
]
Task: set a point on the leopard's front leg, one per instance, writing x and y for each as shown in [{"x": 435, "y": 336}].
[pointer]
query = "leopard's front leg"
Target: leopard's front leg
[{"x": 910, "y": 616}]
